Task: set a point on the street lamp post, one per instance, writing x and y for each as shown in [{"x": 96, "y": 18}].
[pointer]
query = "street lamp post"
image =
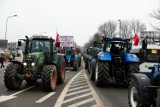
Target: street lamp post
[
  {"x": 119, "y": 27},
  {"x": 7, "y": 23}
]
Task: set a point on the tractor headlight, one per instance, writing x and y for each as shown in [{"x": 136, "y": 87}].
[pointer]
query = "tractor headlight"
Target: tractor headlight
[
  {"x": 24, "y": 63},
  {"x": 32, "y": 63}
]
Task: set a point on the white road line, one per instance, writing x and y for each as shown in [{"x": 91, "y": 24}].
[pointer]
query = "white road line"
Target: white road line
[
  {"x": 77, "y": 82},
  {"x": 45, "y": 97},
  {"x": 64, "y": 92},
  {"x": 22, "y": 91},
  {"x": 76, "y": 97},
  {"x": 82, "y": 102},
  {"x": 94, "y": 105},
  {"x": 67, "y": 71},
  {"x": 5, "y": 98},
  {"x": 74, "y": 85},
  {"x": 99, "y": 103},
  {"x": 77, "y": 88},
  {"x": 77, "y": 92}
]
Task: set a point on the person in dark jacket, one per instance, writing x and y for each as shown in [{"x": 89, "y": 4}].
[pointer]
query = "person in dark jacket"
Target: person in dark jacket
[{"x": 2, "y": 60}]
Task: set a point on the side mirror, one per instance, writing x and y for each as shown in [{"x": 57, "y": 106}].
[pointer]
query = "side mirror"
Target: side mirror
[{"x": 19, "y": 43}]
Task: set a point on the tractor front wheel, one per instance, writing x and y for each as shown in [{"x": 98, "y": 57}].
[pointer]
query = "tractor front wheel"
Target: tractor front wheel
[
  {"x": 49, "y": 77},
  {"x": 138, "y": 94},
  {"x": 11, "y": 79}
]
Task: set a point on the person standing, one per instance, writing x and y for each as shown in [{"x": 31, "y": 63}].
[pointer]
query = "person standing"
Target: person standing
[{"x": 2, "y": 60}]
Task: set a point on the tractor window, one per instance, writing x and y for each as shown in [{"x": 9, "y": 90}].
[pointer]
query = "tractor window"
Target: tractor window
[{"x": 40, "y": 46}]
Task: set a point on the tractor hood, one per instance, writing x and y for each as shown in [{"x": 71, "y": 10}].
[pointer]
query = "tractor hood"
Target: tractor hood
[{"x": 36, "y": 56}]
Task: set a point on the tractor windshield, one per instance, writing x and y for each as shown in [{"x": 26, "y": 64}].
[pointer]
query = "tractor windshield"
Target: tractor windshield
[
  {"x": 40, "y": 46},
  {"x": 116, "y": 47}
]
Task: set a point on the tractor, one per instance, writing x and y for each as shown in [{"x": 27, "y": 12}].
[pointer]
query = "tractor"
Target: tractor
[
  {"x": 40, "y": 61},
  {"x": 90, "y": 60},
  {"x": 114, "y": 62},
  {"x": 72, "y": 57},
  {"x": 144, "y": 86}
]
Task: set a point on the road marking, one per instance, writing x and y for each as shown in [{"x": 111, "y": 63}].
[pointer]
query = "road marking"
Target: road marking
[
  {"x": 5, "y": 98},
  {"x": 73, "y": 85},
  {"x": 45, "y": 97},
  {"x": 82, "y": 102},
  {"x": 99, "y": 103},
  {"x": 59, "y": 101},
  {"x": 76, "y": 97},
  {"x": 22, "y": 91},
  {"x": 77, "y": 82},
  {"x": 68, "y": 71},
  {"x": 77, "y": 92},
  {"x": 77, "y": 88}
]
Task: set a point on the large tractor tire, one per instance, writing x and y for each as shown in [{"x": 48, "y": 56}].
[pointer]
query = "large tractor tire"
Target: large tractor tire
[
  {"x": 11, "y": 79},
  {"x": 92, "y": 70},
  {"x": 132, "y": 68},
  {"x": 102, "y": 73},
  {"x": 138, "y": 94},
  {"x": 49, "y": 77},
  {"x": 75, "y": 65},
  {"x": 62, "y": 72},
  {"x": 89, "y": 67},
  {"x": 86, "y": 63},
  {"x": 79, "y": 61}
]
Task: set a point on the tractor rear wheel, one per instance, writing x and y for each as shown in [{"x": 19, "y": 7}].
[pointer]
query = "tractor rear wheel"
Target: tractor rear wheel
[
  {"x": 86, "y": 63},
  {"x": 75, "y": 65},
  {"x": 49, "y": 77},
  {"x": 11, "y": 79},
  {"x": 138, "y": 94},
  {"x": 62, "y": 71},
  {"x": 132, "y": 68},
  {"x": 92, "y": 71},
  {"x": 102, "y": 73}
]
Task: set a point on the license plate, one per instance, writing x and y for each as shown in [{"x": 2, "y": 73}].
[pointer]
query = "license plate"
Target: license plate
[{"x": 154, "y": 51}]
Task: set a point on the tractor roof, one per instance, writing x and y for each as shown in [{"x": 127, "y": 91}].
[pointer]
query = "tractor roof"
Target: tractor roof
[
  {"x": 38, "y": 36},
  {"x": 116, "y": 39}
]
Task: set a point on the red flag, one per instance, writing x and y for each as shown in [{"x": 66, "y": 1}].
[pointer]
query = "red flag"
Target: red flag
[
  {"x": 57, "y": 38},
  {"x": 136, "y": 40}
]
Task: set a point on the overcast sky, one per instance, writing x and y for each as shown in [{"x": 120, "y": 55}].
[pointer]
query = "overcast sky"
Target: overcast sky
[{"x": 79, "y": 18}]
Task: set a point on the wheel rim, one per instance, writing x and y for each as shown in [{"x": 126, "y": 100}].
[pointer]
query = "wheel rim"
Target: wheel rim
[
  {"x": 133, "y": 97},
  {"x": 63, "y": 70},
  {"x": 53, "y": 78},
  {"x": 96, "y": 71}
]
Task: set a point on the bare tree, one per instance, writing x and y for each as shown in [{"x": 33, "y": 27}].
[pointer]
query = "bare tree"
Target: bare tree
[
  {"x": 126, "y": 29},
  {"x": 156, "y": 15},
  {"x": 108, "y": 28},
  {"x": 137, "y": 26}
]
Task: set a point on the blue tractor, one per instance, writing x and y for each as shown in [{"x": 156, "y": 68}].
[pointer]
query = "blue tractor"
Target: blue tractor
[
  {"x": 90, "y": 60},
  {"x": 72, "y": 57},
  {"x": 114, "y": 62},
  {"x": 143, "y": 86}
]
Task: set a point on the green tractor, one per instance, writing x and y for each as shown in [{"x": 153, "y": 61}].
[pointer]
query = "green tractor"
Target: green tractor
[{"x": 40, "y": 61}]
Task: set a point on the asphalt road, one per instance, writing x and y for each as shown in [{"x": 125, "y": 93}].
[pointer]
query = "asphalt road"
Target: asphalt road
[{"x": 77, "y": 91}]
